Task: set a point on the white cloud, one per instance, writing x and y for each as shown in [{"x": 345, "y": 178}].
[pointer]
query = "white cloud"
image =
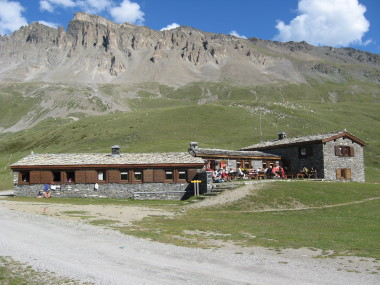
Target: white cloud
[
  {"x": 46, "y": 6},
  {"x": 94, "y": 6},
  {"x": 326, "y": 22},
  {"x": 50, "y": 5},
  {"x": 170, "y": 27},
  {"x": 11, "y": 16},
  {"x": 49, "y": 24},
  {"x": 127, "y": 12},
  {"x": 235, "y": 33}
]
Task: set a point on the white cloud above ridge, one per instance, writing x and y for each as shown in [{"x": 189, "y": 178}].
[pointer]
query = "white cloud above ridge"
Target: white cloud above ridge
[
  {"x": 128, "y": 11},
  {"x": 11, "y": 16},
  {"x": 170, "y": 27},
  {"x": 326, "y": 22},
  {"x": 236, "y": 34},
  {"x": 49, "y": 24}
]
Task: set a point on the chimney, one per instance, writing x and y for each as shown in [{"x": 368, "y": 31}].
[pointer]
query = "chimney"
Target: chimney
[
  {"x": 115, "y": 151},
  {"x": 193, "y": 145},
  {"x": 281, "y": 136}
]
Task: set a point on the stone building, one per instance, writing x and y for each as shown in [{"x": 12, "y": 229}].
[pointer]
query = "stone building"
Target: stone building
[
  {"x": 335, "y": 156},
  {"x": 127, "y": 175}
]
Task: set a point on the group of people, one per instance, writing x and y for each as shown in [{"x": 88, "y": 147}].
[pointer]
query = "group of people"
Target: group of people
[
  {"x": 305, "y": 172},
  {"x": 268, "y": 172},
  {"x": 225, "y": 175}
]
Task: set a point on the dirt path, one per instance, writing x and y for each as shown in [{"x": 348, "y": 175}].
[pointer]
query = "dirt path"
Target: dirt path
[
  {"x": 228, "y": 196},
  {"x": 94, "y": 254},
  {"x": 53, "y": 237},
  {"x": 313, "y": 208}
]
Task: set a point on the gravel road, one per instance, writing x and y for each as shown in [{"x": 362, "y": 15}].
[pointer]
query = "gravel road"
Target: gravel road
[{"x": 93, "y": 254}]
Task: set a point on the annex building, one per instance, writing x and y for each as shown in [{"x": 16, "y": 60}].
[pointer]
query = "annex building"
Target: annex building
[{"x": 114, "y": 175}]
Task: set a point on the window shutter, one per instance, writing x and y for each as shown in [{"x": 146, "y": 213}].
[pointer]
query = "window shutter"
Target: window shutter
[
  {"x": 46, "y": 177},
  {"x": 80, "y": 176},
  {"x": 339, "y": 173},
  {"x": 337, "y": 150},
  {"x": 148, "y": 175},
  {"x": 191, "y": 173},
  {"x": 64, "y": 177},
  {"x": 91, "y": 176},
  {"x": 159, "y": 175},
  {"x": 352, "y": 151},
  {"x": 35, "y": 177},
  {"x": 114, "y": 176},
  {"x": 348, "y": 173}
]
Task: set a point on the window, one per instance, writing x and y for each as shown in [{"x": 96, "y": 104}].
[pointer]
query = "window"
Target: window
[
  {"x": 343, "y": 173},
  {"x": 124, "y": 176},
  {"x": 25, "y": 177},
  {"x": 344, "y": 151},
  {"x": 70, "y": 176},
  {"x": 56, "y": 176},
  {"x": 305, "y": 151},
  {"x": 169, "y": 175},
  {"x": 138, "y": 176},
  {"x": 101, "y": 175},
  {"x": 247, "y": 165},
  {"x": 182, "y": 175}
]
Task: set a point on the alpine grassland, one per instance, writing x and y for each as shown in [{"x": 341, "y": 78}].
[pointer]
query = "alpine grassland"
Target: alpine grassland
[
  {"x": 337, "y": 218},
  {"x": 159, "y": 118}
]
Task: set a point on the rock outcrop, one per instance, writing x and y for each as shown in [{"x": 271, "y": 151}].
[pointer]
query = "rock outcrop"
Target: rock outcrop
[{"x": 96, "y": 50}]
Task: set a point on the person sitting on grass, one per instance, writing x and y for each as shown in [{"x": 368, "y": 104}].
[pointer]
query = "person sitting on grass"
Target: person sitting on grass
[{"x": 47, "y": 194}]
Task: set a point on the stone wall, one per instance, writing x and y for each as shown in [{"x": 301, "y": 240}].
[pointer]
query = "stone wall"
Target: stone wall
[
  {"x": 141, "y": 191},
  {"x": 294, "y": 163},
  {"x": 333, "y": 162}
]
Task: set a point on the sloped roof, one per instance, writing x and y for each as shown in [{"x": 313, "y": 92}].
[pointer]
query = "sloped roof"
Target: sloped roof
[
  {"x": 303, "y": 140},
  {"x": 94, "y": 159},
  {"x": 210, "y": 152}
]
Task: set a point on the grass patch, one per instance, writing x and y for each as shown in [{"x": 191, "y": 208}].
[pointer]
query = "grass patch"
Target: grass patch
[
  {"x": 13, "y": 272},
  {"x": 102, "y": 222},
  {"x": 346, "y": 230}
]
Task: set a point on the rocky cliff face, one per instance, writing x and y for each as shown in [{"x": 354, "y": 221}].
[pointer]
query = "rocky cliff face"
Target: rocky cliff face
[{"x": 96, "y": 50}]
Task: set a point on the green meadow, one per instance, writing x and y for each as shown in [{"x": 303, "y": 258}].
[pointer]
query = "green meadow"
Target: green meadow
[
  {"x": 338, "y": 218},
  {"x": 219, "y": 115}
]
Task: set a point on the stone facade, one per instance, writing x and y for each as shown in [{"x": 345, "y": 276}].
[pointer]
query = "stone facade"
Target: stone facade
[
  {"x": 294, "y": 162},
  {"x": 141, "y": 191},
  {"x": 335, "y": 156},
  {"x": 354, "y": 163}
]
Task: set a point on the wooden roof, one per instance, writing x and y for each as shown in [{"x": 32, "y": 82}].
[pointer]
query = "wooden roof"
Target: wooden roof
[{"x": 320, "y": 138}]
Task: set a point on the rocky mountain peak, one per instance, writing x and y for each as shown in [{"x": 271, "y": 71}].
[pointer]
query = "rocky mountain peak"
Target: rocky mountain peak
[{"x": 94, "y": 49}]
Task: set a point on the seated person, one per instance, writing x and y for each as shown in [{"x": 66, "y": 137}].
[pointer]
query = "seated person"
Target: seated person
[
  {"x": 47, "y": 194},
  {"x": 224, "y": 175},
  {"x": 269, "y": 172},
  {"x": 240, "y": 173},
  {"x": 313, "y": 173}
]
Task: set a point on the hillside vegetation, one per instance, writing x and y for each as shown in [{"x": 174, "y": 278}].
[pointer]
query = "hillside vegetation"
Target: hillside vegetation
[{"x": 163, "y": 118}]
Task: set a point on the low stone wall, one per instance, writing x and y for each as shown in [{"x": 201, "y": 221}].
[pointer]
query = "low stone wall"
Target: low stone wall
[{"x": 158, "y": 191}]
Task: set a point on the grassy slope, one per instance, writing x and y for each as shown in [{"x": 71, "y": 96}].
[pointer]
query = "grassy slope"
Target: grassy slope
[
  {"x": 167, "y": 119},
  {"x": 347, "y": 229}
]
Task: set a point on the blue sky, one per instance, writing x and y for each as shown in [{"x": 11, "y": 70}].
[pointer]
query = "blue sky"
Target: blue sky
[{"x": 339, "y": 23}]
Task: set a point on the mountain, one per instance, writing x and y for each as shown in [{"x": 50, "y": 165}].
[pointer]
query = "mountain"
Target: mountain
[
  {"x": 99, "y": 84},
  {"x": 96, "y": 50}
]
